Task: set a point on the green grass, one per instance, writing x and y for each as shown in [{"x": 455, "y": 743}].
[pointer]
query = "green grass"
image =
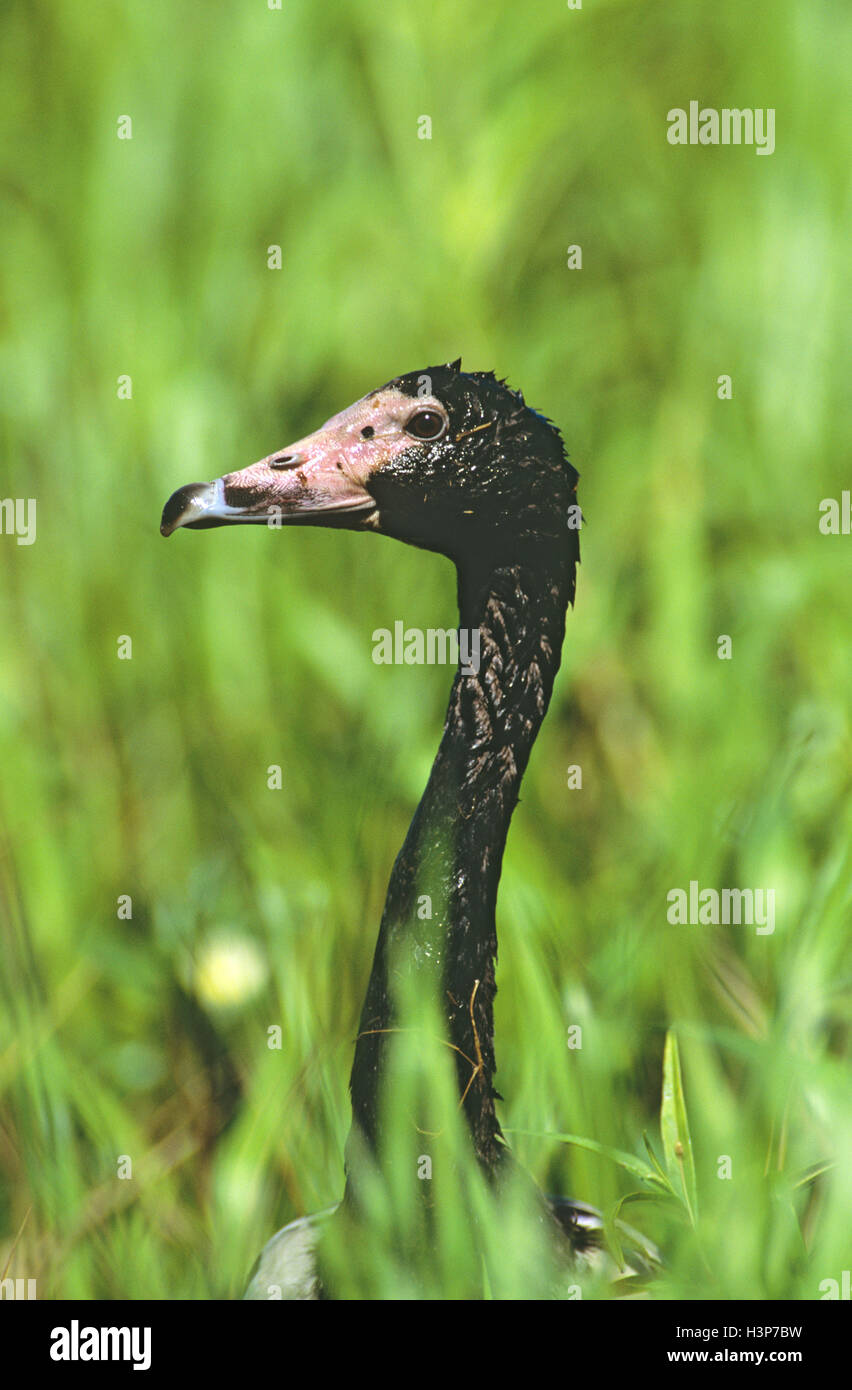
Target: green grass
[{"x": 147, "y": 776}]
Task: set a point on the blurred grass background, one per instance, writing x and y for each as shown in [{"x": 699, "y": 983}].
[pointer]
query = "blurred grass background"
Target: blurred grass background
[{"x": 250, "y": 907}]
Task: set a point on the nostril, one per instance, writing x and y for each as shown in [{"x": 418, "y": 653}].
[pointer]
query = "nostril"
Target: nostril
[{"x": 286, "y": 460}]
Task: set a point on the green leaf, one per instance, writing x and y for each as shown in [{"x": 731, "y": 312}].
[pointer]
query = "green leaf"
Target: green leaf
[
  {"x": 811, "y": 1174},
  {"x": 674, "y": 1127},
  {"x": 633, "y": 1197},
  {"x": 656, "y": 1162},
  {"x": 637, "y": 1166},
  {"x": 612, "y": 1237}
]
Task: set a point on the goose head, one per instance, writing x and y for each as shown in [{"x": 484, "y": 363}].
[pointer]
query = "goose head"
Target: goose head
[{"x": 447, "y": 460}]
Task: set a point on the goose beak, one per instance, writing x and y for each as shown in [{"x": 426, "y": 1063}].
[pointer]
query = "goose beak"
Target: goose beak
[{"x": 309, "y": 483}]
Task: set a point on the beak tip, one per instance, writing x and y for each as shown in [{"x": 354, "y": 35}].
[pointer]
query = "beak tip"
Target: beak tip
[{"x": 185, "y": 505}]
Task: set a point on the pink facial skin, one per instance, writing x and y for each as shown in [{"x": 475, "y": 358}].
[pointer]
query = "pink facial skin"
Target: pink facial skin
[{"x": 327, "y": 470}]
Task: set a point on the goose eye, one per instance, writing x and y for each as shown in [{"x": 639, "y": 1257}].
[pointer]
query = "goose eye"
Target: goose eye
[{"x": 426, "y": 424}]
